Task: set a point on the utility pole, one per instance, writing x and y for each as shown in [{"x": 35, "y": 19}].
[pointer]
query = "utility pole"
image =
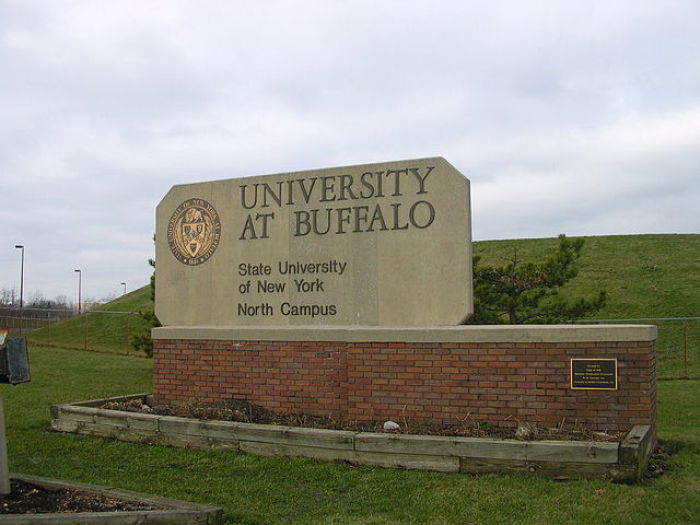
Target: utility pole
[
  {"x": 80, "y": 289},
  {"x": 21, "y": 290}
]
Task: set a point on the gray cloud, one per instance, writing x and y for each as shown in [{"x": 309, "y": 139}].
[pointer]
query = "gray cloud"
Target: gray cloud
[{"x": 577, "y": 118}]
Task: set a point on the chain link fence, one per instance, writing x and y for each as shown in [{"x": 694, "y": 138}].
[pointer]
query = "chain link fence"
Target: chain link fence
[
  {"x": 17, "y": 319},
  {"x": 677, "y": 345},
  {"x": 96, "y": 330}
]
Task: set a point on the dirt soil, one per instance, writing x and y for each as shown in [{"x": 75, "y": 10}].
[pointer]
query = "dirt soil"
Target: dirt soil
[
  {"x": 27, "y": 498},
  {"x": 247, "y": 412}
]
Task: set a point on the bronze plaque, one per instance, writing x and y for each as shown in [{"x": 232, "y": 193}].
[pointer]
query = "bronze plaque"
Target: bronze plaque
[{"x": 594, "y": 374}]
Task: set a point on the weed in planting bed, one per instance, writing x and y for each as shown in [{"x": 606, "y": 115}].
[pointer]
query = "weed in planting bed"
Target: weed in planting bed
[{"x": 248, "y": 412}]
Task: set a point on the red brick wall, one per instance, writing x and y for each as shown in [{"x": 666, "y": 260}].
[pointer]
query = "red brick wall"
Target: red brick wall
[{"x": 498, "y": 383}]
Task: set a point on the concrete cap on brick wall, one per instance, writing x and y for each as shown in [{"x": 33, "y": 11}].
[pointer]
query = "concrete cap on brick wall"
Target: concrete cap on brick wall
[{"x": 449, "y": 334}]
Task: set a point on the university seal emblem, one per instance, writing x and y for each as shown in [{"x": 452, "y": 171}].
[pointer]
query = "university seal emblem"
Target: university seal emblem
[{"x": 194, "y": 231}]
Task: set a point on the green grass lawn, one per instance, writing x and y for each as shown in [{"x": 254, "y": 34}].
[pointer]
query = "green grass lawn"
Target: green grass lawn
[{"x": 257, "y": 490}]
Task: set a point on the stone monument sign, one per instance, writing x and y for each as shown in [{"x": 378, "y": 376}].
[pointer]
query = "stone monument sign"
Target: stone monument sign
[{"x": 384, "y": 244}]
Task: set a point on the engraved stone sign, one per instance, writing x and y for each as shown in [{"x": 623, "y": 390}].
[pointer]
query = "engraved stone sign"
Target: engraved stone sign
[{"x": 378, "y": 244}]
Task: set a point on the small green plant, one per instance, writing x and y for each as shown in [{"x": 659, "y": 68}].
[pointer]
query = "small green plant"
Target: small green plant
[{"x": 141, "y": 340}]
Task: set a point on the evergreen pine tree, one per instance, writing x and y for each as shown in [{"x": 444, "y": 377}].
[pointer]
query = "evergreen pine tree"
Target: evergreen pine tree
[{"x": 528, "y": 293}]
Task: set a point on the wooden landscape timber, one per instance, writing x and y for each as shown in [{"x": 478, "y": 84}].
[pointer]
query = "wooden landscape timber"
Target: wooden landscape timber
[
  {"x": 172, "y": 512},
  {"x": 623, "y": 461}
]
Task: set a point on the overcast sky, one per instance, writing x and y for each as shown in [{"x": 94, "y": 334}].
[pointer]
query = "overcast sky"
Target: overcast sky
[{"x": 568, "y": 117}]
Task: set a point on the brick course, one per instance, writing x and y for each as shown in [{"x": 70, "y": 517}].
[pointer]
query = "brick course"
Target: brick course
[{"x": 498, "y": 383}]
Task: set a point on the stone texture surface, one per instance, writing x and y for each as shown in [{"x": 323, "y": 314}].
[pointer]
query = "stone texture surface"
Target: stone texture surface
[
  {"x": 443, "y": 334},
  {"x": 399, "y": 232}
]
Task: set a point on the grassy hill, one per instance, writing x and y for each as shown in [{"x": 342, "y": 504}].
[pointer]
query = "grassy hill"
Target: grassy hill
[
  {"x": 105, "y": 329},
  {"x": 644, "y": 275},
  {"x": 134, "y": 301}
]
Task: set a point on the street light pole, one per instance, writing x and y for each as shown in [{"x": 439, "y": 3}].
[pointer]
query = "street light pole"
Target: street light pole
[
  {"x": 80, "y": 288},
  {"x": 124, "y": 285},
  {"x": 21, "y": 290}
]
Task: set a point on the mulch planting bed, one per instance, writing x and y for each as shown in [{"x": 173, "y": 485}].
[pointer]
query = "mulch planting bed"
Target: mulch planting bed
[
  {"x": 247, "y": 412},
  {"x": 27, "y": 498}
]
